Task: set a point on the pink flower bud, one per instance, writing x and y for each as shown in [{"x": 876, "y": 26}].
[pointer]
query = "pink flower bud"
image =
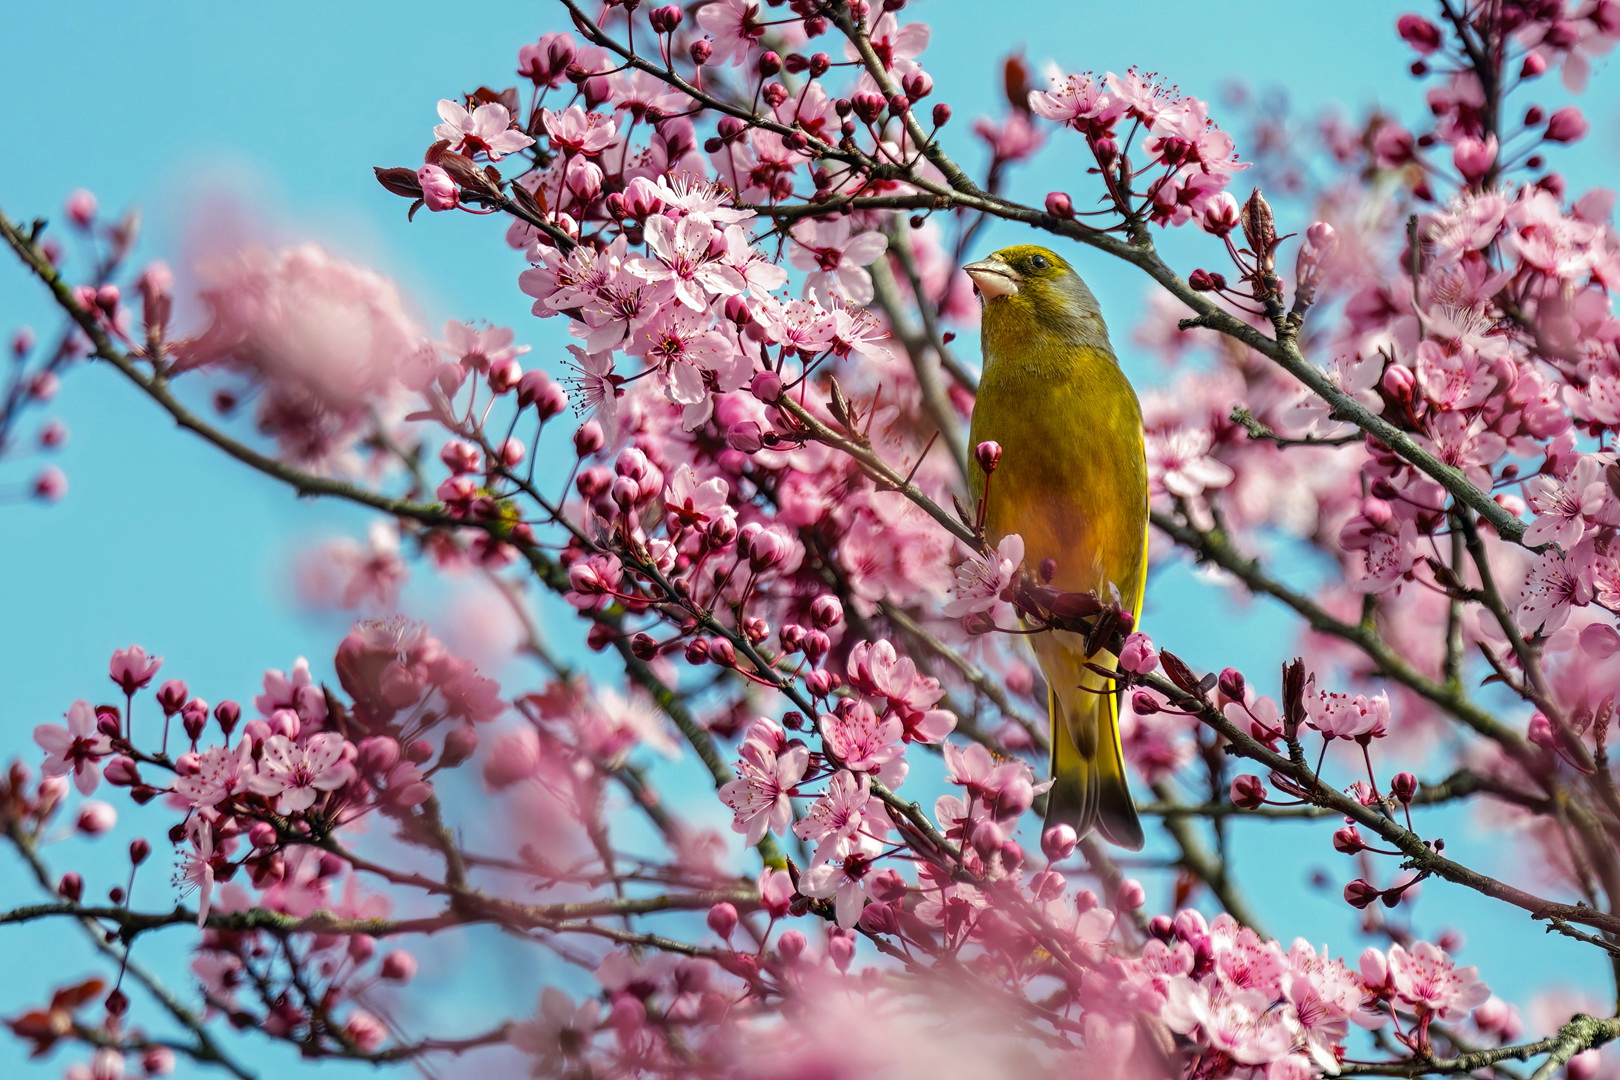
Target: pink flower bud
[
  {"x": 988, "y": 455},
  {"x": 1566, "y": 125},
  {"x": 826, "y": 611},
  {"x": 723, "y": 920},
  {"x": 1231, "y": 684},
  {"x": 588, "y": 438},
  {"x": 50, "y": 484},
  {"x": 1320, "y": 235},
  {"x": 701, "y": 50},
  {"x": 917, "y": 84},
  {"x": 1474, "y": 158},
  {"x": 171, "y": 696},
  {"x": 157, "y": 1061},
  {"x": 1541, "y": 732},
  {"x": 1059, "y": 205},
  {"x": 121, "y": 772},
  {"x": 139, "y": 849},
  {"x": 1138, "y": 656},
  {"x": 1130, "y": 895},
  {"x": 766, "y": 386},
  {"x": 942, "y": 114},
  {"x": 1348, "y": 841},
  {"x": 790, "y": 946},
  {"x": 71, "y": 887},
  {"x": 1058, "y": 842},
  {"x": 1421, "y": 34},
  {"x": 96, "y": 817},
  {"x": 1143, "y": 704},
  {"x": 1360, "y": 894},
  {"x": 1161, "y": 927},
  {"x": 1404, "y": 787},
  {"x": 459, "y": 745},
  {"x": 226, "y": 714},
  {"x": 439, "y": 192},
  {"x": 1221, "y": 214},
  {"x": 503, "y": 377},
  {"x": 1534, "y": 65},
  {"x": 745, "y": 437},
  {"x": 398, "y": 966},
  {"x": 1248, "y": 792},
  {"x": 840, "y": 949},
  {"x": 81, "y": 209},
  {"x": 665, "y": 19}
]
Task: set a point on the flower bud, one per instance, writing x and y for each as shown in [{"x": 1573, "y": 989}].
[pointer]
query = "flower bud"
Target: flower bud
[
  {"x": 439, "y": 191},
  {"x": 1421, "y": 34},
  {"x": 766, "y": 386},
  {"x": 71, "y": 887},
  {"x": 1058, "y": 842},
  {"x": 1566, "y": 125},
  {"x": 1142, "y": 703},
  {"x": 1059, "y": 205},
  {"x": 942, "y": 114},
  {"x": 588, "y": 438},
  {"x": 840, "y": 949},
  {"x": 1359, "y": 894},
  {"x": 398, "y": 966},
  {"x": 459, "y": 744},
  {"x": 701, "y": 50},
  {"x": 226, "y": 714},
  {"x": 1248, "y": 792},
  {"x": 745, "y": 437},
  {"x": 1320, "y": 235},
  {"x": 1130, "y": 895},
  {"x": 1231, "y": 684},
  {"x": 988, "y": 455},
  {"x": 1137, "y": 655},
  {"x": 139, "y": 849},
  {"x": 81, "y": 209},
  {"x": 1474, "y": 158},
  {"x": 723, "y": 920},
  {"x": 96, "y": 817},
  {"x": 769, "y": 63},
  {"x": 121, "y": 772},
  {"x": 1161, "y": 927},
  {"x": 665, "y": 19},
  {"x": 1348, "y": 841},
  {"x": 1534, "y": 66},
  {"x": 790, "y": 946},
  {"x": 826, "y": 611},
  {"x": 1404, "y": 787}
]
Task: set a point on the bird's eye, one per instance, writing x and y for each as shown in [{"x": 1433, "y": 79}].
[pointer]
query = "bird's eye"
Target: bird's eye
[{"x": 1039, "y": 262}]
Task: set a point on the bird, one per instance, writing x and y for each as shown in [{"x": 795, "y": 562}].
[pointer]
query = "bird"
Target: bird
[{"x": 1072, "y": 481}]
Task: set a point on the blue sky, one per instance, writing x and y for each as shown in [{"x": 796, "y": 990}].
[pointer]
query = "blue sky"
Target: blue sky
[{"x": 288, "y": 106}]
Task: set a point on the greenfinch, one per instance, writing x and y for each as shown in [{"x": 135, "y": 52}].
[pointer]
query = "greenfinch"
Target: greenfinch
[{"x": 1072, "y": 481}]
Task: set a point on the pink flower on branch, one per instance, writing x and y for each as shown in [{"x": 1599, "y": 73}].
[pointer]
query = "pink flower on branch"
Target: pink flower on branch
[
  {"x": 769, "y": 772},
  {"x": 486, "y": 130},
  {"x": 74, "y": 747},
  {"x": 298, "y": 775}
]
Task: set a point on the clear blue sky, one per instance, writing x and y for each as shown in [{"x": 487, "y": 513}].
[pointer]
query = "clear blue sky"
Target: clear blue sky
[{"x": 163, "y": 542}]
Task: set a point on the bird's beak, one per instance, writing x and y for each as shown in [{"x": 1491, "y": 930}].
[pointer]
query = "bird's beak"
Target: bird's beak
[{"x": 993, "y": 277}]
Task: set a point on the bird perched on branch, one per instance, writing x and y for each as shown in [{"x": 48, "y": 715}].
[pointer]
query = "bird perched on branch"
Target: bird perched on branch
[{"x": 1072, "y": 481}]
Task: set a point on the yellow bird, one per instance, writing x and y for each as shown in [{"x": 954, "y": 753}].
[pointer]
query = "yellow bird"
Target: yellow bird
[{"x": 1072, "y": 481}]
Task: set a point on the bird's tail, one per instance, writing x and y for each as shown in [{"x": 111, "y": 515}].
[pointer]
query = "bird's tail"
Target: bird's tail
[{"x": 1089, "y": 789}]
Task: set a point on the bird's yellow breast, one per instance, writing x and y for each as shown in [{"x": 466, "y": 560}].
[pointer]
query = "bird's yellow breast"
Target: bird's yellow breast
[{"x": 1072, "y": 480}]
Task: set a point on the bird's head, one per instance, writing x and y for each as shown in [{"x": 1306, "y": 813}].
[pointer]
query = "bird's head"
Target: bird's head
[{"x": 1032, "y": 290}]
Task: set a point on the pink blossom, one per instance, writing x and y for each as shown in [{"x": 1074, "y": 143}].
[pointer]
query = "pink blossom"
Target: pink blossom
[
  {"x": 219, "y": 773},
  {"x": 733, "y": 26},
  {"x": 74, "y": 747},
  {"x": 982, "y": 583},
  {"x": 1430, "y": 981},
  {"x": 837, "y": 820},
  {"x": 1564, "y": 506},
  {"x": 682, "y": 254},
  {"x": 559, "y": 1033},
  {"x": 876, "y": 668},
  {"x": 769, "y": 772},
  {"x": 132, "y": 669},
  {"x": 860, "y": 739},
  {"x": 1555, "y": 584},
  {"x": 486, "y": 130},
  {"x": 1345, "y": 716},
  {"x": 836, "y": 260},
  {"x": 297, "y": 775},
  {"x": 1179, "y": 462},
  {"x": 845, "y": 882},
  {"x": 576, "y": 130},
  {"x": 1078, "y": 101}
]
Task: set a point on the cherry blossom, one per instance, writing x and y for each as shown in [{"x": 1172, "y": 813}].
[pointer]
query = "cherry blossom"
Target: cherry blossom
[
  {"x": 75, "y": 747},
  {"x": 487, "y": 130},
  {"x": 297, "y": 775}
]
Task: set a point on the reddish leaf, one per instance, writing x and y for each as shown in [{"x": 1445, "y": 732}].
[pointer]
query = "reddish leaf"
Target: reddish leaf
[{"x": 399, "y": 181}]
